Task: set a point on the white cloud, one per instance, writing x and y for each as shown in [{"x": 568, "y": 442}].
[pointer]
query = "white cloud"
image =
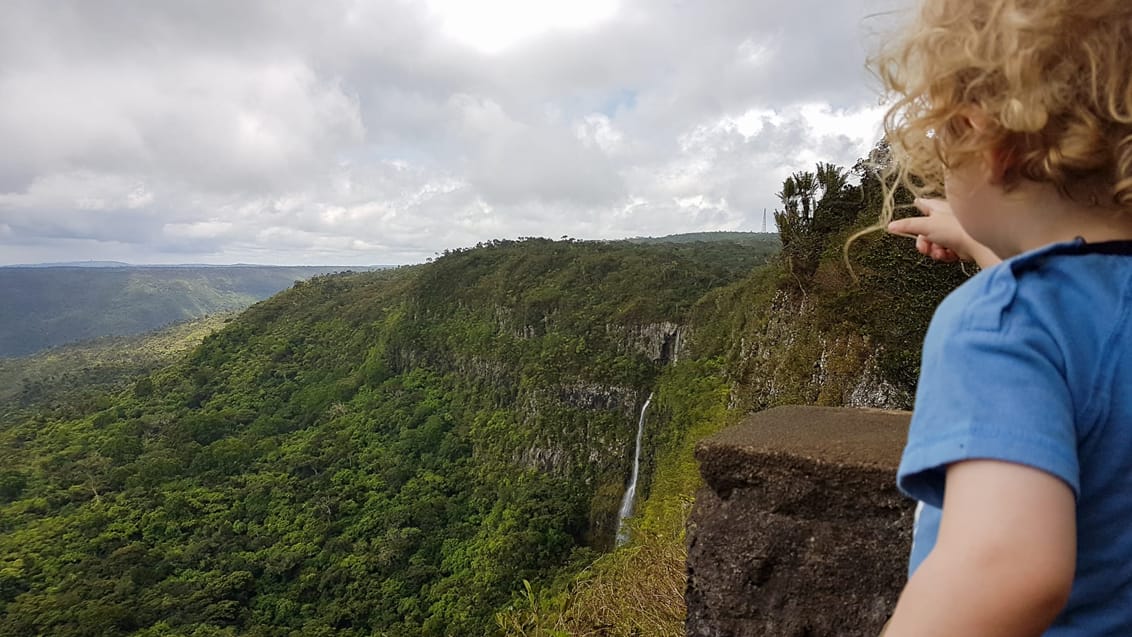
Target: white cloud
[
  {"x": 596, "y": 130},
  {"x": 861, "y": 125},
  {"x": 492, "y": 26},
  {"x": 751, "y": 122},
  {"x": 382, "y": 132},
  {"x": 79, "y": 190},
  {"x": 197, "y": 230}
]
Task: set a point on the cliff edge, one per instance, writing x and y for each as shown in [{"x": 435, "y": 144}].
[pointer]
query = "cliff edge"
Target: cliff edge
[{"x": 800, "y": 530}]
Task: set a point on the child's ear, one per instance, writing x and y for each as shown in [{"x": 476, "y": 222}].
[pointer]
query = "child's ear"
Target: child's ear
[
  {"x": 1002, "y": 161},
  {"x": 999, "y": 160}
]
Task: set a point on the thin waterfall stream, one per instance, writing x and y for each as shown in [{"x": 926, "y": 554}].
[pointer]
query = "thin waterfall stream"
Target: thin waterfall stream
[{"x": 631, "y": 491}]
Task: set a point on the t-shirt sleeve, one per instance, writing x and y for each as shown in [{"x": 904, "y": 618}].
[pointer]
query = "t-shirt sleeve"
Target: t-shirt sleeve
[{"x": 991, "y": 394}]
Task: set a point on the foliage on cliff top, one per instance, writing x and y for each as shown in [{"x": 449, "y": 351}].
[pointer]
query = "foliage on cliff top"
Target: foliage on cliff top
[
  {"x": 764, "y": 243},
  {"x": 573, "y": 282}
]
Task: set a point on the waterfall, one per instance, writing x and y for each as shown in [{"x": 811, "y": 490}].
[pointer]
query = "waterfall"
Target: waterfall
[{"x": 631, "y": 490}]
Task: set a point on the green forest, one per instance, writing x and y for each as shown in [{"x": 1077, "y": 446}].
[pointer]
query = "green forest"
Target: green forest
[
  {"x": 73, "y": 375},
  {"x": 441, "y": 449}
]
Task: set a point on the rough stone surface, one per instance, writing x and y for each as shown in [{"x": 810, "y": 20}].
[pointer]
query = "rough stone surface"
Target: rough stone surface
[
  {"x": 660, "y": 342},
  {"x": 787, "y": 356},
  {"x": 800, "y": 530}
]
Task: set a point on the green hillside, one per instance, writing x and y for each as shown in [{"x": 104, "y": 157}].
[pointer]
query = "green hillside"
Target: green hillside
[
  {"x": 68, "y": 376},
  {"x": 50, "y": 306},
  {"x": 441, "y": 449},
  {"x": 766, "y": 240}
]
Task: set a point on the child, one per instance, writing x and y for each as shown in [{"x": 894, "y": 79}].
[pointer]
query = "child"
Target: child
[{"x": 1019, "y": 112}]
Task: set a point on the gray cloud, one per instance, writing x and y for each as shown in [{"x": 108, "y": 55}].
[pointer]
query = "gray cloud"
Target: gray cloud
[{"x": 360, "y": 133}]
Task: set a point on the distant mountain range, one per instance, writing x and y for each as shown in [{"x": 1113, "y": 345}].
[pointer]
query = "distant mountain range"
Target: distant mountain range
[
  {"x": 50, "y": 305},
  {"x": 71, "y": 264}
]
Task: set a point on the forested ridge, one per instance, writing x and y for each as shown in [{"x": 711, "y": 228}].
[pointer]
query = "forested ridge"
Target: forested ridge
[
  {"x": 440, "y": 449},
  {"x": 72, "y": 376}
]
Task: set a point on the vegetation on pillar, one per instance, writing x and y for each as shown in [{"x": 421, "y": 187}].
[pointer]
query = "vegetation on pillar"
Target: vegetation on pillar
[{"x": 815, "y": 205}]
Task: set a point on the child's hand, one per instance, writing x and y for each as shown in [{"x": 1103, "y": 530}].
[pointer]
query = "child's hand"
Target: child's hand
[{"x": 939, "y": 235}]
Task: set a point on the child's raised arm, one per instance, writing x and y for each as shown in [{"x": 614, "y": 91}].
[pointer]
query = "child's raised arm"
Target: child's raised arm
[
  {"x": 1004, "y": 560},
  {"x": 939, "y": 235}
]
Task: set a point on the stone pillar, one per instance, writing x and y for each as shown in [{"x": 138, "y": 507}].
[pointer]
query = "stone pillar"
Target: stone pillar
[{"x": 800, "y": 530}]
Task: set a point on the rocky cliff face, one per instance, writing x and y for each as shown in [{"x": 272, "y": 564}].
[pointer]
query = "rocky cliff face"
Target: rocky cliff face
[
  {"x": 799, "y": 530},
  {"x": 557, "y": 453},
  {"x": 787, "y": 356},
  {"x": 661, "y": 342}
]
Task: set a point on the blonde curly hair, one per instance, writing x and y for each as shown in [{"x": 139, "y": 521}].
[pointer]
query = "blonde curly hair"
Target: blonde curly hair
[{"x": 1044, "y": 85}]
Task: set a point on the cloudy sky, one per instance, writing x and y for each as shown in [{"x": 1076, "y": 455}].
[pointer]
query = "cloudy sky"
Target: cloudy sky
[{"x": 382, "y": 131}]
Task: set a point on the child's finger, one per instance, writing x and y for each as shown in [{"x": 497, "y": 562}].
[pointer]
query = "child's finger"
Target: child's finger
[
  {"x": 923, "y": 245},
  {"x": 931, "y": 206},
  {"x": 940, "y": 253},
  {"x": 912, "y": 226}
]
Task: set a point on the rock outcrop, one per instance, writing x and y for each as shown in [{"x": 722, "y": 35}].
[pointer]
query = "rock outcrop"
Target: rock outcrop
[
  {"x": 791, "y": 356},
  {"x": 661, "y": 342},
  {"x": 800, "y": 530}
]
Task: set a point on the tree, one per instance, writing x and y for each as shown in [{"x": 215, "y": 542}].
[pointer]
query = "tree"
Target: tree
[
  {"x": 789, "y": 197},
  {"x": 806, "y": 185},
  {"x": 807, "y": 218},
  {"x": 831, "y": 180}
]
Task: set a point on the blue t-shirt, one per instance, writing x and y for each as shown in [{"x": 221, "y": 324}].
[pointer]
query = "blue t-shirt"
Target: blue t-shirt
[{"x": 1030, "y": 362}]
